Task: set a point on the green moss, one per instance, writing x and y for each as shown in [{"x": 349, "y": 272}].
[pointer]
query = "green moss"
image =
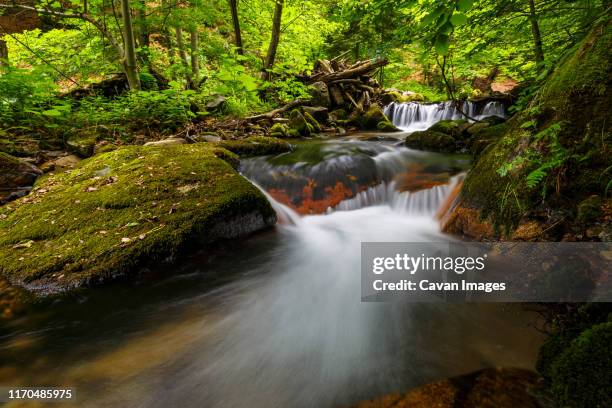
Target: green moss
[
  {"x": 386, "y": 126},
  {"x": 316, "y": 127},
  {"x": 120, "y": 210},
  {"x": 582, "y": 375},
  {"x": 255, "y": 146},
  {"x": 430, "y": 140},
  {"x": 298, "y": 122},
  {"x": 371, "y": 118},
  {"x": 278, "y": 130},
  {"x": 449, "y": 127},
  {"x": 485, "y": 137},
  {"x": 82, "y": 146},
  {"x": 589, "y": 209}
]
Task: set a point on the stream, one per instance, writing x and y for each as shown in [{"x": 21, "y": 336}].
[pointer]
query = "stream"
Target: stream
[{"x": 276, "y": 320}]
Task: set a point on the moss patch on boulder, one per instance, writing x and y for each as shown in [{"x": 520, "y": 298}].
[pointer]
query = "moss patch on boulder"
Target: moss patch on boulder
[
  {"x": 122, "y": 210},
  {"x": 430, "y": 140},
  {"x": 278, "y": 130},
  {"x": 452, "y": 128},
  {"x": 552, "y": 154},
  {"x": 298, "y": 124},
  {"x": 255, "y": 146}
]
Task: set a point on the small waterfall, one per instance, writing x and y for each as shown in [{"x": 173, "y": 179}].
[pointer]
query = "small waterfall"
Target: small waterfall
[
  {"x": 414, "y": 116},
  {"x": 423, "y": 202}
]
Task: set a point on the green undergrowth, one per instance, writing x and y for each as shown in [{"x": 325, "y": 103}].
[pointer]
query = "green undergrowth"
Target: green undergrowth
[{"x": 120, "y": 210}]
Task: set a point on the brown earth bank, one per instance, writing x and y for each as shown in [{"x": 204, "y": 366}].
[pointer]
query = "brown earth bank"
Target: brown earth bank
[{"x": 488, "y": 388}]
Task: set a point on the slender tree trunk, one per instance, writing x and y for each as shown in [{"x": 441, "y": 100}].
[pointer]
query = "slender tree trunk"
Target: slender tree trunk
[
  {"x": 236, "y": 22},
  {"x": 129, "y": 61},
  {"x": 276, "y": 31},
  {"x": 4, "y": 55},
  {"x": 183, "y": 54},
  {"x": 537, "y": 37},
  {"x": 195, "y": 57},
  {"x": 143, "y": 32}
]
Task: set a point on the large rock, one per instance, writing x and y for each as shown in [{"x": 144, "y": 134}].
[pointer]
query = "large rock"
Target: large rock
[
  {"x": 320, "y": 113},
  {"x": 373, "y": 119},
  {"x": 81, "y": 146},
  {"x": 454, "y": 128},
  {"x": 566, "y": 145},
  {"x": 320, "y": 94},
  {"x": 16, "y": 176},
  {"x": 298, "y": 125},
  {"x": 432, "y": 141},
  {"x": 121, "y": 211}
]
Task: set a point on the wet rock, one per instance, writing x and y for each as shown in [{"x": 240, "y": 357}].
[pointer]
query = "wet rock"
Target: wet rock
[
  {"x": 431, "y": 141},
  {"x": 167, "y": 142},
  {"x": 529, "y": 231},
  {"x": 488, "y": 388},
  {"x": 468, "y": 222},
  {"x": 320, "y": 113},
  {"x": 493, "y": 120},
  {"x": 386, "y": 126},
  {"x": 16, "y": 176},
  {"x": 320, "y": 94}
]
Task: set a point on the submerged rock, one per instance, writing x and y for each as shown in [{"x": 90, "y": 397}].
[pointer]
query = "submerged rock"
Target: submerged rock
[
  {"x": 16, "y": 177},
  {"x": 120, "y": 211}
]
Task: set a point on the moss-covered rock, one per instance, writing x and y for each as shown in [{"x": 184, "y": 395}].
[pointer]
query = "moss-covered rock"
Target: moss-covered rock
[
  {"x": 432, "y": 141},
  {"x": 82, "y": 146},
  {"x": 371, "y": 118},
  {"x": 278, "y": 130},
  {"x": 582, "y": 375},
  {"x": 589, "y": 209},
  {"x": 484, "y": 138},
  {"x": 20, "y": 146},
  {"x": 452, "y": 128},
  {"x": 122, "y": 210},
  {"x": 564, "y": 136},
  {"x": 298, "y": 122},
  {"x": 256, "y": 146},
  {"x": 316, "y": 127},
  {"x": 387, "y": 126}
]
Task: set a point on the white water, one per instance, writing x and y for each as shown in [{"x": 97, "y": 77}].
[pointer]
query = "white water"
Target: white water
[{"x": 414, "y": 116}]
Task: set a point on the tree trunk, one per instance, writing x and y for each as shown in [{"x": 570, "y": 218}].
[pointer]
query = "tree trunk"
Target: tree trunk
[
  {"x": 276, "y": 31},
  {"x": 537, "y": 37},
  {"x": 236, "y": 22},
  {"x": 183, "y": 54},
  {"x": 4, "y": 56},
  {"x": 195, "y": 58},
  {"x": 129, "y": 61},
  {"x": 143, "y": 32}
]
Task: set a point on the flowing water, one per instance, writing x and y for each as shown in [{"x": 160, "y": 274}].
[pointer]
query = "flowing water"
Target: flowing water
[
  {"x": 414, "y": 116},
  {"x": 276, "y": 320}
]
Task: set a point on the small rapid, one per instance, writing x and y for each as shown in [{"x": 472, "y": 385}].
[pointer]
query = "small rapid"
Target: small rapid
[{"x": 414, "y": 116}]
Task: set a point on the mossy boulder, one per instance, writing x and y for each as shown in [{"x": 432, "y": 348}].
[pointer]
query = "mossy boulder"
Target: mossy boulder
[
  {"x": 565, "y": 130},
  {"x": 582, "y": 375},
  {"x": 316, "y": 127},
  {"x": 452, "y": 128},
  {"x": 255, "y": 146},
  {"x": 432, "y": 141},
  {"x": 387, "y": 126},
  {"x": 20, "y": 146},
  {"x": 278, "y": 130},
  {"x": 120, "y": 211},
  {"x": 82, "y": 146},
  {"x": 299, "y": 124},
  {"x": 589, "y": 209},
  {"x": 484, "y": 138},
  {"x": 320, "y": 113},
  {"x": 372, "y": 119}
]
